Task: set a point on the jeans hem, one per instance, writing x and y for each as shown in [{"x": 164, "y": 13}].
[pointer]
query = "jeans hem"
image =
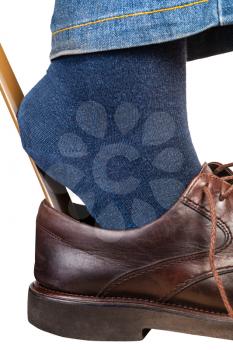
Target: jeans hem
[
  {"x": 134, "y": 30},
  {"x": 78, "y": 49}
]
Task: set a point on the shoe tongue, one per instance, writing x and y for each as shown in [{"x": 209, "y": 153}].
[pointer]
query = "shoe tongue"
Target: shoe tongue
[
  {"x": 211, "y": 167},
  {"x": 206, "y": 169}
]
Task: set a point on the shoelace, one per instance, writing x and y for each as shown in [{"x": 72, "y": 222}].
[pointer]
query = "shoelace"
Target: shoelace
[{"x": 213, "y": 236}]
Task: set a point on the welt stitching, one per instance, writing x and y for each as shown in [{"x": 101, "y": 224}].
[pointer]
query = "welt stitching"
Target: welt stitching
[
  {"x": 131, "y": 299},
  {"x": 225, "y": 229},
  {"x": 192, "y": 281},
  {"x": 135, "y": 14}
]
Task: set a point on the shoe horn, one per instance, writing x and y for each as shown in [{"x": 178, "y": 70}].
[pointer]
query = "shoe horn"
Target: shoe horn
[{"x": 56, "y": 195}]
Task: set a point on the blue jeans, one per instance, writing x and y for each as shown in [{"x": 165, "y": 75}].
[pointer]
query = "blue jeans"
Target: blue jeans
[{"x": 90, "y": 26}]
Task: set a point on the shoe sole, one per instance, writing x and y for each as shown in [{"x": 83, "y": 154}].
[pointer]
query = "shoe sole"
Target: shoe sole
[{"x": 117, "y": 319}]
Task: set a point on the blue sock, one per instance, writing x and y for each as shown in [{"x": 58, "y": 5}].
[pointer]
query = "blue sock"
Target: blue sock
[{"x": 113, "y": 128}]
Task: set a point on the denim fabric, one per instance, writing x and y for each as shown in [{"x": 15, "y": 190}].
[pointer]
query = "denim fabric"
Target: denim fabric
[
  {"x": 90, "y": 26},
  {"x": 113, "y": 128}
]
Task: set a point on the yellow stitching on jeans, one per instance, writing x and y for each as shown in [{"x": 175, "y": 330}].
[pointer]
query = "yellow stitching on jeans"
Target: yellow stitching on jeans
[{"x": 136, "y": 14}]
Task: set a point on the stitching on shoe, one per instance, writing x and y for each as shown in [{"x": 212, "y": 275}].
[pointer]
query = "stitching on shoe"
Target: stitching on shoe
[
  {"x": 201, "y": 210},
  {"x": 196, "y": 256},
  {"x": 221, "y": 225},
  {"x": 157, "y": 266},
  {"x": 131, "y": 300},
  {"x": 205, "y": 212},
  {"x": 161, "y": 265},
  {"x": 143, "y": 270},
  {"x": 64, "y": 242},
  {"x": 130, "y": 15},
  {"x": 193, "y": 281},
  {"x": 186, "y": 284}
]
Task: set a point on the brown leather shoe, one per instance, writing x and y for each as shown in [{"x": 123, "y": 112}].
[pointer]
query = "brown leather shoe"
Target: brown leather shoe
[{"x": 174, "y": 274}]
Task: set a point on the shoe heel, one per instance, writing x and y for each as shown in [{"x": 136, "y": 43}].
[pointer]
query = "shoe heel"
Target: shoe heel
[{"x": 83, "y": 319}]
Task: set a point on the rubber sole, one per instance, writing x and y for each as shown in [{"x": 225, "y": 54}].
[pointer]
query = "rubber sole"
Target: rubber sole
[{"x": 116, "y": 319}]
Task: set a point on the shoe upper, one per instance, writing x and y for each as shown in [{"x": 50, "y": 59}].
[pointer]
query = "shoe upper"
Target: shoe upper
[{"x": 167, "y": 261}]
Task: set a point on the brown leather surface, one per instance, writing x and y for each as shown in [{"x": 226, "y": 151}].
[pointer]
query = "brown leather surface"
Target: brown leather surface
[{"x": 166, "y": 261}]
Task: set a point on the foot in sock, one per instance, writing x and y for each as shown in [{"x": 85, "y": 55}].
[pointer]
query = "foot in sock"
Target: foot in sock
[{"x": 113, "y": 128}]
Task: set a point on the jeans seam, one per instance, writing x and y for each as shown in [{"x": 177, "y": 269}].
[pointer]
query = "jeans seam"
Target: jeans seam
[
  {"x": 219, "y": 8},
  {"x": 135, "y": 14}
]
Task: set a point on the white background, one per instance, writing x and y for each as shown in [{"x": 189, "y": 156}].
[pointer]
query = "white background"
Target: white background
[{"x": 25, "y": 35}]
